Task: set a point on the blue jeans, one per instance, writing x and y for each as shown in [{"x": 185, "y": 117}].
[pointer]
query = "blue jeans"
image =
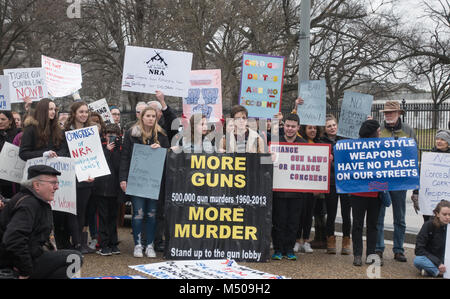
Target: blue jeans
[
  {"x": 423, "y": 263},
  {"x": 144, "y": 219},
  {"x": 399, "y": 211}
]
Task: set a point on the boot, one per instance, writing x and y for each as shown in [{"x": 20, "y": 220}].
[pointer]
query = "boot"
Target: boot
[
  {"x": 346, "y": 244},
  {"x": 319, "y": 234},
  {"x": 85, "y": 249},
  {"x": 331, "y": 245}
]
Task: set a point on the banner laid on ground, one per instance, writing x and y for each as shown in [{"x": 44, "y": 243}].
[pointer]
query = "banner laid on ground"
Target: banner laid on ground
[
  {"x": 206, "y": 269},
  {"x": 102, "y": 108},
  {"x": 205, "y": 95},
  {"x": 86, "y": 149},
  {"x": 115, "y": 277},
  {"x": 301, "y": 168},
  {"x": 147, "y": 70},
  {"x": 146, "y": 170},
  {"x": 11, "y": 166},
  {"x": 26, "y": 82},
  {"x": 434, "y": 181},
  {"x": 376, "y": 164},
  {"x": 262, "y": 84},
  {"x": 5, "y": 100},
  {"x": 447, "y": 254},
  {"x": 62, "y": 78},
  {"x": 314, "y": 109},
  {"x": 355, "y": 109},
  {"x": 66, "y": 196},
  {"x": 218, "y": 207}
]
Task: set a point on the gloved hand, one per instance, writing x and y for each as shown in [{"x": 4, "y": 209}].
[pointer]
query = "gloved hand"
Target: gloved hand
[{"x": 415, "y": 200}]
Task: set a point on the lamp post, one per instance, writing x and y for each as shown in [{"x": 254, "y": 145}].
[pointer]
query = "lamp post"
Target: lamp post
[{"x": 305, "y": 44}]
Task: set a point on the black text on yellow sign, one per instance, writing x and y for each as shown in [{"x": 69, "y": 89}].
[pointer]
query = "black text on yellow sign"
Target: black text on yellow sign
[
  {"x": 214, "y": 231},
  {"x": 222, "y": 180}
]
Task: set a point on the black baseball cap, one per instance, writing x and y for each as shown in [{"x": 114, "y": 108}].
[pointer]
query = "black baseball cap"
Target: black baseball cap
[{"x": 37, "y": 170}]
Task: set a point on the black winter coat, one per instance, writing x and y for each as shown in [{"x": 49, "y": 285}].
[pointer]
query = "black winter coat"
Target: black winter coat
[
  {"x": 30, "y": 150},
  {"x": 132, "y": 136},
  {"x": 430, "y": 242},
  {"x": 108, "y": 186},
  {"x": 25, "y": 226}
]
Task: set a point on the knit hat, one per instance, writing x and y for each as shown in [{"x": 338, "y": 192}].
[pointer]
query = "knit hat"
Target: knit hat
[
  {"x": 369, "y": 128},
  {"x": 444, "y": 134}
]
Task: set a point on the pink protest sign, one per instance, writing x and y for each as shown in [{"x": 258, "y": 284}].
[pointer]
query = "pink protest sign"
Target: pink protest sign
[{"x": 205, "y": 95}]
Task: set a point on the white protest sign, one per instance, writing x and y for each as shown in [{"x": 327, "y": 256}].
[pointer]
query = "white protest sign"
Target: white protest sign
[
  {"x": 5, "y": 100},
  {"x": 102, "y": 108},
  {"x": 301, "y": 168},
  {"x": 354, "y": 111},
  {"x": 434, "y": 181},
  {"x": 206, "y": 269},
  {"x": 86, "y": 149},
  {"x": 147, "y": 70},
  {"x": 11, "y": 166},
  {"x": 63, "y": 78},
  {"x": 66, "y": 196},
  {"x": 447, "y": 254},
  {"x": 26, "y": 82}
]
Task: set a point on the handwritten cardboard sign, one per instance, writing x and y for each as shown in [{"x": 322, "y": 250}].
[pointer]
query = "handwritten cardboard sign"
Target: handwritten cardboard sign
[
  {"x": 5, "y": 100},
  {"x": 26, "y": 82},
  {"x": 314, "y": 109},
  {"x": 262, "y": 84},
  {"x": 301, "y": 168},
  {"x": 63, "y": 78},
  {"x": 354, "y": 111},
  {"x": 205, "y": 95},
  {"x": 66, "y": 196},
  {"x": 11, "y": 166},
  {"x": 434, "y": 181},
  {"x": 102, "y": 108},
  {"x": 86, "y": 149},
  {"x": 147, "y": 70},
  {"x": 146, "y": 170}
]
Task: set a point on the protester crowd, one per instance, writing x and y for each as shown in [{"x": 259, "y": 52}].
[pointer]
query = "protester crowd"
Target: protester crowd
[{"x": 27, "y": 225}]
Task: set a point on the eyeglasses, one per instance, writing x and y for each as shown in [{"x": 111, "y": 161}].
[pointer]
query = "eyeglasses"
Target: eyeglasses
[
  {"x": 240, "y": 118},
  {"x": 53, "y": 183}
]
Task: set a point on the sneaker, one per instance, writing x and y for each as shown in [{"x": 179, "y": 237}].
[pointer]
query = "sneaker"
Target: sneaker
[
  {"x": 357, "y": 261},
  {"x": 138, "y": 251},
  {"x": 105, "y": 251},
  {"x": 400, "y": 257},
  {"x": 115, "y": 250},
  {"x": 150, "y": 251},
  {"x": 93, "y": 244},
  {"x": 307, "y": 248},
  {"x": 291, "y": 257},
  {"x": 277, "y": 256},
  {"x": 297, "y": 247}
]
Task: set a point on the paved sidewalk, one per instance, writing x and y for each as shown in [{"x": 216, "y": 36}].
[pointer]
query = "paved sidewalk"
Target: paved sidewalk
[{"x": 318, "y": 265}]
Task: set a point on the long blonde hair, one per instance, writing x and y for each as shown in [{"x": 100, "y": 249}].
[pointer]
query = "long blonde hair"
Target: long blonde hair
[{"x": 153, "y": 133}]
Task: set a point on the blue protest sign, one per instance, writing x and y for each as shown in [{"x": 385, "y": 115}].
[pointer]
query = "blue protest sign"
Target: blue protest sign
[
  {"x": 354, "y": 111},
  {"x": 376, "y": 164},
  {"x": 146, "y": 170},
  {"x": 262, "y": 84},
  {"x": 314, "y": 109}
]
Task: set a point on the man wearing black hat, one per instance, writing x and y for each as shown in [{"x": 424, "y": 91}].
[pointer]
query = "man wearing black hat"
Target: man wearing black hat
[{"x": 25, "y": 226}]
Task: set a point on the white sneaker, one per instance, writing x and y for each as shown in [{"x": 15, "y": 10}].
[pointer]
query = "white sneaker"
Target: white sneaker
[
  {"x": 297, "y": 247},
  {"x": 138, "y": 251},
  {"x": 307, "y": 248},
  {"x": 150, "y": 251}
]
